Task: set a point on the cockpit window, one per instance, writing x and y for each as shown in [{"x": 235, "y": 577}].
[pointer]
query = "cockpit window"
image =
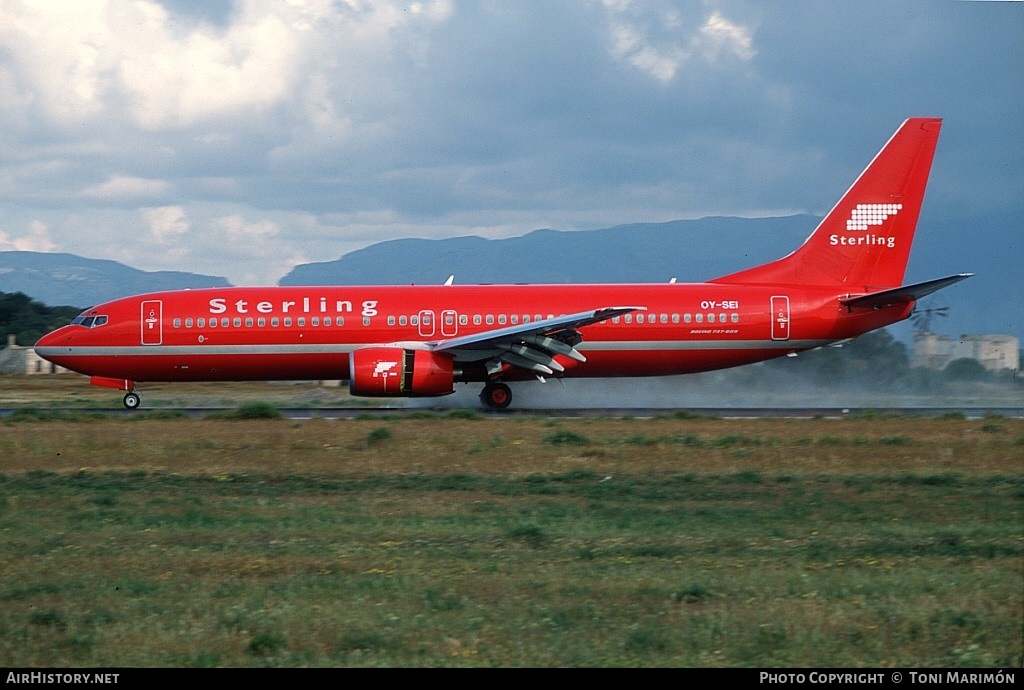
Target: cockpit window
[{"x": 89, "y": 321}]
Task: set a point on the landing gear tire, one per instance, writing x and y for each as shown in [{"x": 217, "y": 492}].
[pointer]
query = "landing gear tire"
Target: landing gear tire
[
  {"x": 496, "y": 396},
  {"x": 132, "y": 400}
]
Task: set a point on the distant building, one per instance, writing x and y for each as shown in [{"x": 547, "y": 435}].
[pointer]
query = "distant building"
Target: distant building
[
  {"x": 21, "y": 359},
  {"x": 994, "y": 352}
]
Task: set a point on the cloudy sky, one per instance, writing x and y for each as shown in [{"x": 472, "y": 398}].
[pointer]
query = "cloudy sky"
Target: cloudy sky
[{"x": 239, "y": 139}]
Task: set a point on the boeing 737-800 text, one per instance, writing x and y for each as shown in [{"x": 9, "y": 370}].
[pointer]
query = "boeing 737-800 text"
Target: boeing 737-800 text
[{"x": 846, "y": 279}]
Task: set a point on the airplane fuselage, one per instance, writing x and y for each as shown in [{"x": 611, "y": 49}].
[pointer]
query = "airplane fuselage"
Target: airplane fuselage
[{"x": 278, "y": 333}]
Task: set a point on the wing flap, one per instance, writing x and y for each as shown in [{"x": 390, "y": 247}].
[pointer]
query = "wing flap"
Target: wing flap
[
  {"x": 530, "y": 346},
  {"x": 535, "y": 356},
  {"x": 545, "y": 343}
]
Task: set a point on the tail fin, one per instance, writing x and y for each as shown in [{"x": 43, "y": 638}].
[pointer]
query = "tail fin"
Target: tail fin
[{"x": 864, "y": 242}]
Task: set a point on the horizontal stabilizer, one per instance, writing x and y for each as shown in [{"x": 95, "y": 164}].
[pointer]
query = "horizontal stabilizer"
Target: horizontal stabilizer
[{"x": 902, "y": 295}]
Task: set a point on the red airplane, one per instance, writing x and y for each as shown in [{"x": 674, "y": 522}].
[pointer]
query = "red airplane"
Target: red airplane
[{"x": 405, "y": 341}]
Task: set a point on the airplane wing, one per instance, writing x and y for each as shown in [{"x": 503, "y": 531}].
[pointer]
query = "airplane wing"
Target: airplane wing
[
  {"x": 531, "y": 346},
  {"x": 901, "y": 295}
]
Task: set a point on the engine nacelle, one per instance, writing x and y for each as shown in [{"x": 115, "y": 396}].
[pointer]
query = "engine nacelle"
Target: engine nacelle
[{"x": 397, "y": 372}]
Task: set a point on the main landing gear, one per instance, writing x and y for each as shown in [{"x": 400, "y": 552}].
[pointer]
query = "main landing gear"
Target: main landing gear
[
  {"x": 132, "y": 400},
  {"x": 496, "y": 395}
]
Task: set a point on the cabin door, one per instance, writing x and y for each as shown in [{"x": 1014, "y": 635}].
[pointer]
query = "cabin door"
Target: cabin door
[
  {"x": 780, "y": 318},
  {"x": 152, "y": 322}
]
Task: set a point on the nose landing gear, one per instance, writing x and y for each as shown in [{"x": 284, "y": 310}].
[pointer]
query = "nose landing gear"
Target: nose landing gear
[{"x": 131, "y": 399}]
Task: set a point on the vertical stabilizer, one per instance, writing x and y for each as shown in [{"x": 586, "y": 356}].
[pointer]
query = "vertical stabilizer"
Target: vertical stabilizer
[{"x": 864, "y": 242}]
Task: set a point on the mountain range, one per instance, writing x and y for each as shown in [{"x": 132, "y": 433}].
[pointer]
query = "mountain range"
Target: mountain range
[
  {"x": 685, "y": 250},
  {"x": 70, "y": 280},
  {"x": 645, "y": 252}
]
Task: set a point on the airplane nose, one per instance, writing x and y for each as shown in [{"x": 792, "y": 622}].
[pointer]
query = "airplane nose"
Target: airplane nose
[
  {"x": 48, "y": 346},
  {"x": 48, "y": 340}
]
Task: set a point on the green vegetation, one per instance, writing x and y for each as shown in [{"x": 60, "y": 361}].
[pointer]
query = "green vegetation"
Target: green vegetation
[
  {"x": 249, "y": 410},
  {"x": 451, "y": 541},
  {"x": 29, "y": 320}
]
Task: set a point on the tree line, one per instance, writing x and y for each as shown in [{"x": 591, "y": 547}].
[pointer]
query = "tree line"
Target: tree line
[
  {"x": 28, "y": 320},
  {"x": 874, "y": 360}
]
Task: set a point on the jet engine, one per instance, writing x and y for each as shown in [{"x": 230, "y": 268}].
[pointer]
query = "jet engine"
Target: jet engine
[{"x": 395, "y": 371}]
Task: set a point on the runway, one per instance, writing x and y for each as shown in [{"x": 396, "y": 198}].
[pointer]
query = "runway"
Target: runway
[{"x": 343, "y": 413}]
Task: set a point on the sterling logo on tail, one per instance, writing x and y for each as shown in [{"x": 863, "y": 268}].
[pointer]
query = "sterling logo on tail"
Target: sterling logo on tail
[
  {"x": 863, "y": 217},
  {"x": 871, "y": 214}
]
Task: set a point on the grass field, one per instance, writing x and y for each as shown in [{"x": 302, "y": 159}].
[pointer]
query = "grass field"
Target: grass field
[{"x": 461, "y": 539}]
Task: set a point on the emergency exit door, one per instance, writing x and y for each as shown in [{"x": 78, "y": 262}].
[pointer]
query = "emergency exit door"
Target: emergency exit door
[
  {"x": 780, "y": 317},
  {"x": 152, "y": 322}
]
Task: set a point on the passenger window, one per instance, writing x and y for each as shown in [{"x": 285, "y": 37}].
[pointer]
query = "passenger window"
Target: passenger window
[
  {"x": 248, "y": 322},
  {"x": 224, "y": 322},
  {"x": 502, "y": 319},
  {"x": 188, "y": 322},
  {"x": 735, "y": 318},
  {"x": 700, "y": 318},
  {"x": 675, "y": 318},
  {"x": 711, "y": 318},
  {"x": 403, "y": 320},
  {"x": 177, "y": 323},
  {"x": 327, "y": 320},
  {"x": 477, "y": 320},
  {"x": 664, "y": 318},
  {"x": 213, "y": 323},
  {"x": 490, "y": 319},
  {"x": 302, "y": 321},
  {"x": 314, "y": 321},
  {"x": 463, "y": 319},
  {"x": 287, "y": 322},
  {"x": 201, "y": 322},
  {"x": 261, "y": 322},
  {"x": 238, "y": 322},
  {"x": 275, "y": 322},
  {"x": 366, "y": 320}
]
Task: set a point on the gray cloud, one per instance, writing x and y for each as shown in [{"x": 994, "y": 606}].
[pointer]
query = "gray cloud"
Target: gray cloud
[{"x": 241, "y": 138}]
